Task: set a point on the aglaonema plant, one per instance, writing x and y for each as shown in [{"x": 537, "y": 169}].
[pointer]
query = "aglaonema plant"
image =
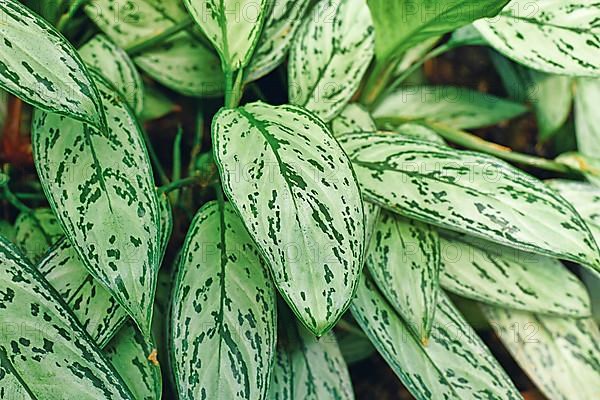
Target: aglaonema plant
[{"x": 317, "y": 207}]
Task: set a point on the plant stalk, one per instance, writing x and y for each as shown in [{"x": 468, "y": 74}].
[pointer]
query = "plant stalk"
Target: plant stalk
[{"x": 66, "y": 17}]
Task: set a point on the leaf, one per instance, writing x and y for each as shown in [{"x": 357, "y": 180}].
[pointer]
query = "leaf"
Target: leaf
[
  {"x": 507, "y": 277},
  {"x": 587, "y": 120},
  {"x": 329, "y": 56},
  {"x": 412, "y": 130},
  {"x": 106, "y": 181},
  {"x": 552, "y": 97},
  {"x": 294, "y": 188},
  {"x": 96, "y": 310},
  {"x": 38, "y": 65},
  {"x": 354, "y": 346},
  {"x": 308, "y": 368},
  {"x": 43, "y": 346},
  {"x": 275, "y": 40},
  {"x": 36, "y": 232},
  {"x": 233, "y": 27},
  {"x": 403, "y": 24},
  {"x": 3, "y": 106},
  {"x": 585, "y": 198},
  {"x": 560, "y": 355},
  {"x": 128, "y": 352},
  {"x": 182, "y": 63},
  {"x": 404, "y": 261},
  {"x": 223, "y": 316},
  {"x": 587, "y": 166},
  {"x": 353, "y": 119},
  {"x": 116, "y": 66},
  {"x": 469, "y": 192},
  {"x": 515, "y": 77},
  {"x": 415, "y": 54},
  {"x": 457, "y": 107},
  {"x": 559, "y": 37},
  {"x": 156, "y": 104},
  {"x": 454, "y": 365}
]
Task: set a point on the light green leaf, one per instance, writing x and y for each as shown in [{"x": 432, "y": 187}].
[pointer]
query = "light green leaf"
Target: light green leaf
[
  {"x": 128, "y": 352},
  {"x": 43, "y": 345},
  {"x": 454, "y": 365},
  {"x": 233, "y": 27},
  {"x": 588, "y": 166},
  {"x": 38, "y": 65},
  {"x": 415, "y": 54},
  {"x": 36, "y": 232},
  {"x": 402, "y": 24},
  {"x": 294, "y": 188},
  {"x": 404, "y": 261},
  {"x": 156, "y": 104},
  {"x": 412, "y": 130},
  {"x": 116, "y": 66},
  {"x": 182, "y": 63},
  {"x": 559, "y": 37},
  {"x": 560, "y": 355},
  {"x": 106, "y": 181},
  {"x": 457, "y": 107},
  {"x": 552, "y": 97},
  {"x": 7, "y": 230},
  {"x": 3, "y": 106},
  {"x": 515, "y": 77},
  {"x": 587, "y": 119},
  {"x": 96, "y": 310},
  {"x": 353, "y": 119},
  {"x": 275, "y": 40},
  {"x": 469, "y": 192},
  {"x": 330, "y": 55},
  {"x": 508, "y": 277},
  {"x": 308, "y": 368},
  {"x": 585, "y": 198},
  {"x": 224, "y": 311}
]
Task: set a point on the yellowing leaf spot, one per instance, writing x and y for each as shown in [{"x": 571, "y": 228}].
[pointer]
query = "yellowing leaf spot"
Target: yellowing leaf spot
[{"x": 153, "y": 357}]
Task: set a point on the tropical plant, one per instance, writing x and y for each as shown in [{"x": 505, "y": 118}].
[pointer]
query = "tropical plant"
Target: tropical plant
[{"x": 317, "y": 199}]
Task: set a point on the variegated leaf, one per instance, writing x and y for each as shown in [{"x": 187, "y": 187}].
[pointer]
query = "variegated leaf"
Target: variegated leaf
[
  {"x": 469, "y": 192},
  {"x": 560, "y": 37},
  {"x": 402, "y": 24},
  {"x": 560, "y": 355},
  {"x": 11, "y": 387},
  {"x": 453, "y": 106},
  {"x": 353, "y": 119},
  {"x": 128, "y": 352},
  {"x": 43, "y": 345},
  {"x": 329, "y": 57},
  {"x": 308, "y": 368},
  {"x": 39, "y": 65},
  {"x": 182, "y": 63},
  {"x": 551, "y": 97},
  {"x": 36, "y": 232},
  {"x": 412, "y": 130},
  {"x": 233, "y": 27},
  {"x": 116, "y": 66},
  {"x": 417, "y": 53},
  {"x": 224, "y": 311},
  {"x": 404, "y": 261},
  {"x": 454, "y": 365},
  {"x": 100, "y": 186},
  {"x": 295, "y": 190},
  {"x": 587, "y": 119},
  {"x": 498, "y": 275},
  {"x": 275, "y": 40},
  {"x": 3, "y": 106},
  {"x": 585, "y": 198}
]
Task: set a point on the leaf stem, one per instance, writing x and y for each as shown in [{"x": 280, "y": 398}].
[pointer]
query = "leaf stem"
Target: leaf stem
[
  {"x": 15, "y": 202},
  {"x": 377, "y": 81},
  {"x": 152, "y": 40},
  {"x": 233, "y": 88},
  {"x": 155, "y": 160},
  {"x": 66, "y": 17},
  {"x": 181, "y": 183}
]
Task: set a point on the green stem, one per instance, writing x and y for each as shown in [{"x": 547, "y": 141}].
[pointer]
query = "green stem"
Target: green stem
[
  {"x": 182, "y": 183},
  {"x": 176, "y": 175},
  {"x": 197, "y": 141},
  {"x": 66, "y": 18},
  {"x": 476, "y": 143},
  {"x": 153, "y": 40},
  {"x": 233, "y": 88},
  {"x": 155, "y": 160},
  {"x": 377, "y": 81},
  {"x": 12, "y": 199}
]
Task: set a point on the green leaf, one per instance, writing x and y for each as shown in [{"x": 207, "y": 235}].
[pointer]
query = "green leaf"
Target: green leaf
[
  {"x": 588, "y": 166},
  {"x": 224, "y": 311},
  {"x": 276, "y": 38},
  {"x": 36, "y": 232},
  {"x": 96, "y": 310},
  {"x": 469, "y": 192},
  {"x": 233, "y": 27},
  {"x": 156, "y": 104},
  {"x": 404, "y": 261},
  {"x": 454, "y": 365},
  {"x": 3, "y": 106},
  {"x": 116, "y": 66},
  {"x": 295, "y": 190},
  {"x": 352, "y": 119},
  {"x": 329, "y": 56},
  {"x": 559, "y": 37},
  {"x": 587, "y": 120},
  {"x": 457, "y": 107},
  {"x": 552, "y": 97},
  {"x": 128, "y": 352},
  {"x": 38, "y": 65},
  {"x": 43, "y": 345},
  {"x": 354, "y": 346},
  {"x": 412, "y": 130},
  {"x": 308, "y": 368},
  {"x": 182, "y": 63},
  {"x": 106, "y": 181},
  {"x": 585, "y": 198},
  {"x": 560, "y": 355},
  {"x": 402, "y": 24},
  {"x": 508, "y": 277}
]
